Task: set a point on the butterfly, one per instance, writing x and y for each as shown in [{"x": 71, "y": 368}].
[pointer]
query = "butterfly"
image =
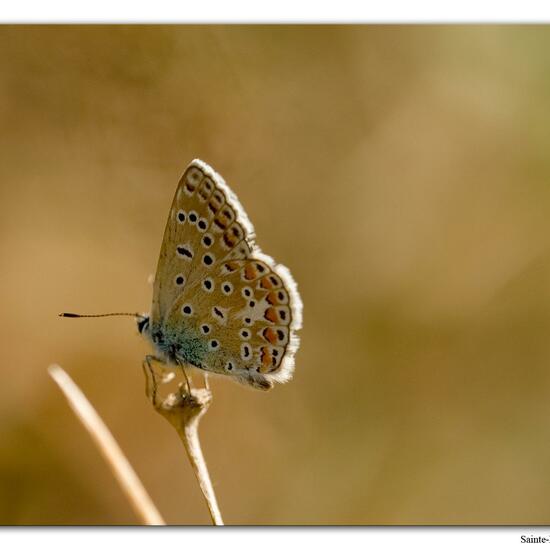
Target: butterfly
[{"x": 219, "y": 303}]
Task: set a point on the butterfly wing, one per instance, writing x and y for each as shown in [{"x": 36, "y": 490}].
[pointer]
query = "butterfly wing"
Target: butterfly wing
[
  {"x": 237, "y": 311},
  {"x": 177, "y": 254}
]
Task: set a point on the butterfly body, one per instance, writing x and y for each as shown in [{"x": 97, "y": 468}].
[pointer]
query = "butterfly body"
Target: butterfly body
[
  {"x": 219, "y": 303},
  {"x": 176, "y": 347}
]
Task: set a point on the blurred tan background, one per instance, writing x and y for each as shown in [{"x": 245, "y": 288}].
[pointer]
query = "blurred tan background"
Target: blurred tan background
[{"x": 411, "y": 174}]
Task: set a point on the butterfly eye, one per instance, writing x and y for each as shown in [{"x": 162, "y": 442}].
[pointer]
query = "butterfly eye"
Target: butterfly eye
[{"x": 142, "y": 324}]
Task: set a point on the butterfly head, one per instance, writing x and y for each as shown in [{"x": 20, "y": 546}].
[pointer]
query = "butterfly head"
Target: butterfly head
[{"x": 143, "y": 324}]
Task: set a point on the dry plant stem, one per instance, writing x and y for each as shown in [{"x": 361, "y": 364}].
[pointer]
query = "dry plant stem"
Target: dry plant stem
[
  {"x": 124, "y": 473},
  {"x": 184, "y": 411}
]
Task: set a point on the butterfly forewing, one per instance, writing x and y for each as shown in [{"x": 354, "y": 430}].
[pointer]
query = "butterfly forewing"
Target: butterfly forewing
[
  {"x": 223, "y": 305},
  {"x": 179, "y": 246}
]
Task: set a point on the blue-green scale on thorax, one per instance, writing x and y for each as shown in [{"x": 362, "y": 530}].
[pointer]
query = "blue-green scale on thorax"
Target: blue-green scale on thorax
[{"x": 184, "y": 345}]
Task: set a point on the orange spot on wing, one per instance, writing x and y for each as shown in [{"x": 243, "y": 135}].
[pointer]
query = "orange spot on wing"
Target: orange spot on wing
[
  {"x": 272, "y": 298},
  {"x": 229, "y": 240},
  {"x": 270, "y": 335},
  {"x": 250, "y": 272},
  {"x": 271, "y": 314},
  {"x": 266, "y": 357},
  {"x": 266, "y": 283},
  {"x": 269, "y": 282}
]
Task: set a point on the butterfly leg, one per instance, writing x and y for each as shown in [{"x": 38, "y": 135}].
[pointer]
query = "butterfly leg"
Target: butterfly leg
[
  {"x": 187, "y": 382},
  {"x": 151, "y": 385}
]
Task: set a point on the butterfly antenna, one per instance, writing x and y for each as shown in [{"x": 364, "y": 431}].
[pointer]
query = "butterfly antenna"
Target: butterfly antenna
[{"x": 76, "y": 315}]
